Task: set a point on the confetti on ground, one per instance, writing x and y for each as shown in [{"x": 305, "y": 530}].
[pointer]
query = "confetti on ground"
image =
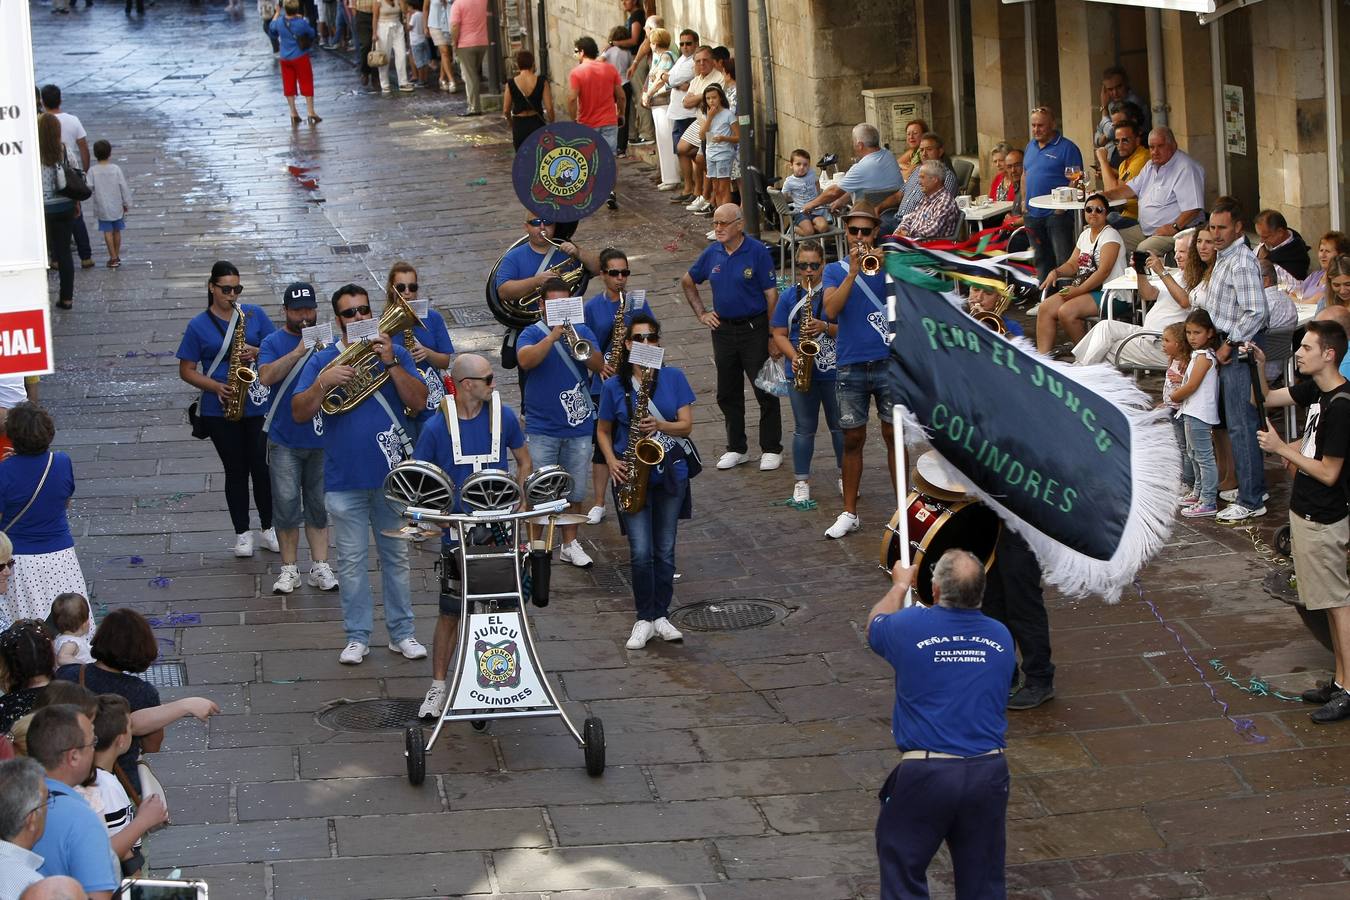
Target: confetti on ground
[
  {"x": 160, "y": 582},
  {"x": 479, "y": 182}
]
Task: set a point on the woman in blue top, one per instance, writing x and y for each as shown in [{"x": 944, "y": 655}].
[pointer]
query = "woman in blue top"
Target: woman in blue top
[
  {"x": 36, "y": 485},
  {"x": 786, "y": 328},
  {"x": 241, "y": 445},
  {"x": 651, "y": 531},
  {"x": 430, "y": 344}
]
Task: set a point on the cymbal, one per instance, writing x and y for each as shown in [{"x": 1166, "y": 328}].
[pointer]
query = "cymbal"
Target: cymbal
[
  {"x": 559, "y": 519},
  {"x": 410, "y": 533}
]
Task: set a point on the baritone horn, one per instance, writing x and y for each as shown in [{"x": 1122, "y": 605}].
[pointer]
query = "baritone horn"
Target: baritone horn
[{"x": 361, "y": 356}]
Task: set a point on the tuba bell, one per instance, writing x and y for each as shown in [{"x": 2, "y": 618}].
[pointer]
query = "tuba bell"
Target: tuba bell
[
  {"x": 525, "y": 311},
  {"x": 361, "y": 356}
]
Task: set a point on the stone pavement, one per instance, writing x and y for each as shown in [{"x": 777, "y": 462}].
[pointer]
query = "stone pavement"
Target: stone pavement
[{"x": 742, "y": 764}]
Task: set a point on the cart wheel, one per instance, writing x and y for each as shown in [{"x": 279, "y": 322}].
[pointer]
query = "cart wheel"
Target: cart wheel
[
  {"x": 416, "y": 751},
  {"x": 479, "y": 725},
  {"x": 1283, "y": 545},
  {"x": 593, "y": 733}
]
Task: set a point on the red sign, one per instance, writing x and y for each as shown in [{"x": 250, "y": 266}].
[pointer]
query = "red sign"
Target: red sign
[{"x": 23, "y": 342}]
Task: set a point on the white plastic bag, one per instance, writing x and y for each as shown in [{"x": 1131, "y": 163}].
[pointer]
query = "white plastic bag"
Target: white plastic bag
[{"x": 772, "y": 379}]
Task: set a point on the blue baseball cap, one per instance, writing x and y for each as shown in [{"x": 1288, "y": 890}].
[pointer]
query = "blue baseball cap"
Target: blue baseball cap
[{"x": 299, "y": 295}]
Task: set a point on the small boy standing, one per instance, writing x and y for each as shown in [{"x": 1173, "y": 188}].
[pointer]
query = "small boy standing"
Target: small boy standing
[{"x": 112, "y": 200}]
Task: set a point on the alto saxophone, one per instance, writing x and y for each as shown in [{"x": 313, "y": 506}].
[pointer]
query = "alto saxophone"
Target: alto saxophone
[
  {"x": 807, "y": 348},
  {"x": 239, "y": 375},
  {"x": 642, "y": 453},
  {"x": 615, "y": 354}
]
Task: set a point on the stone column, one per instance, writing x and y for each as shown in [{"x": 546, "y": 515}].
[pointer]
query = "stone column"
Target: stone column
[
  {"x": 1086, "y": 46},
  {"x": 998, "y": 45},
  {"x": 1189, "y": 66}
]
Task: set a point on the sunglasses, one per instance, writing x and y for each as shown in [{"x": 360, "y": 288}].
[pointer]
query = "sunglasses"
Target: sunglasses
[
  {"x": 858, "y": 232},
  {"x": 228, "y": 289},
  {"x": 354, "y": 311},
  {"x": 486, "y": 379},
  {"x": 809, "y": 266},
  {"x": 646, "y": 337},
  {"x": 618, "y": 273},
  {"x": 537, "y": 223},
  {"x": 686, "y": 43},
  {"x": 406, "y": 288},
  {"x": 7, "y": 566},
  {"x": 1095, "y": 210}
]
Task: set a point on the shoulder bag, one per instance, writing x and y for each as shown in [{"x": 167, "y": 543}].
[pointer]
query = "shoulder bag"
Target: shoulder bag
[
  {"x": 303, "y": 41},
  {"x": 71, "y": 182},
  {"x": 41, "y": 482}
]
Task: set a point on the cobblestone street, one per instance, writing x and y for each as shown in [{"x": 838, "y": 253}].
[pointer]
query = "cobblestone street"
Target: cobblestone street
[{"x": 743, "y": 765}]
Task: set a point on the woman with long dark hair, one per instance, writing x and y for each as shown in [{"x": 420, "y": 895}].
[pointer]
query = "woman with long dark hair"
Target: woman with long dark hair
[
  {"x": 29, "y": 662},
  {"x": 651, "y": 531},
  {"x": 58, "y": 211},
  {"x": 239, "y": 444}
]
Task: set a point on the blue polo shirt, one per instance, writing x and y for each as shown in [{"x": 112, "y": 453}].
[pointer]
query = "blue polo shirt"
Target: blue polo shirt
[
  {"x": 475, "y": 435},
  {"x": 876, "y": 173},
  {"x": 432, "y": 334},
  {"x": 739, "y": 279},
  {"x": 1044, "y": 168},
  {"x": 201, "y": 342},
  {"x": 558, "y": 403},
  {"x": 360, "y": 446},
  {"x": 284, "y": 431},
  {"x": 75, "y": 842},
  {"x": 600, "y": 312},
  {"x": 783, "y": 318},
  {"x": 862, "y": 327},
  {"x": 952, "y": 671}
]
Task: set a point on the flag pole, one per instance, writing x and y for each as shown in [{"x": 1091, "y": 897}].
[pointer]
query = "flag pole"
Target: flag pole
[{"x": 901, "y": 468}]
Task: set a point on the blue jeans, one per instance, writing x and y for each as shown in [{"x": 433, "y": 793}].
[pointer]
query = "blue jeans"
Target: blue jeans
[
  {"x": 1200, "y": 449},
  {"x": 651, "y": 546},
  {"x": 1235, "y": 388},
  {"x": 1179, "y": 433},
  {"x": 352, "y": 515},
  {"x": 806, "y": 419},
  {"x": 1052, "y": 239},
  {"x": 572, "y": 453},
  {"x": 857, "y": 384}
]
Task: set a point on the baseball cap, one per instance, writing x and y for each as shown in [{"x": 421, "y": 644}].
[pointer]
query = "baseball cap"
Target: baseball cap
[{"x": 299, "y": 295}]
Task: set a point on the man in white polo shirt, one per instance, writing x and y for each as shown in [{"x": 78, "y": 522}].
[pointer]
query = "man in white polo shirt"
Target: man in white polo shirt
[
  {"x": 1170, "y": 190},
  {"x": 874, "y": 176}
]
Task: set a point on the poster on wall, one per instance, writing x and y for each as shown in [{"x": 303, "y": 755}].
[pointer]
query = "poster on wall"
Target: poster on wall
[
  {"x": 25, "y": 318},
  {"x": 1234, "y": 120}
]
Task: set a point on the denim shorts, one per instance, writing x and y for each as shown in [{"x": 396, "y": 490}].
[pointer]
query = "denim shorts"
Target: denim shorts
[
  {"x": 572, "y": 453},
  {"x": 719, "y": 168},
  {"x": 114, "y": 225},
  {"x": 296, "y": 474},
  {"x": 857, "y": 384}
]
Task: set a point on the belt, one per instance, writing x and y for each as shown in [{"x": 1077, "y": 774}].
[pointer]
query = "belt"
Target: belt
[
  {"x": 933, "y": 754},
  {"x": 725, "y": 320}
]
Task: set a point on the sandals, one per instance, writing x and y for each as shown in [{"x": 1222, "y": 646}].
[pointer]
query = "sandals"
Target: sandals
[
  {"x": 114, "y": 262},
  {"x": 314, "y": 120},
  {"x": 295, "y": 120},
  {"x": 65, "y": 304}
]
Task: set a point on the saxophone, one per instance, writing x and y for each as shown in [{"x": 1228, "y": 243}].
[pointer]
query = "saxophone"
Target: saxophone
[
  {"x": 616, "y": 334},
  {"x": 239, "y": 375},
  {"x": 642, "y": 453},
  {"x": 807, "y": 348}
]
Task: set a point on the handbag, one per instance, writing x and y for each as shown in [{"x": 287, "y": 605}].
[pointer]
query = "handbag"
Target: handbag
[
  {"x": 303, "y": 41},
  {"x": 377, "y": 59},
  {"x": 70, "y": 181},
  {"x": 41, "y": 482},
  {"x": 198, "y": 426},
  {"x": 1086, "y": 270}
]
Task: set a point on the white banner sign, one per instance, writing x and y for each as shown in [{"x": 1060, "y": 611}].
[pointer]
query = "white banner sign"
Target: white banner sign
[{"x": 497, "y": 672}]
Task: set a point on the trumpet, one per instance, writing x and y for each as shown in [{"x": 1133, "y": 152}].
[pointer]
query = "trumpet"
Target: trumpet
[
  {"x": 579, "y": 347},
  {"x": 870, "y": 261}
]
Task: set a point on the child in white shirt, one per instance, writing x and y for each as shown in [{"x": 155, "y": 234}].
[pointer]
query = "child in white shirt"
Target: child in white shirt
[
  {"x": 112, "y": 738},
  {"x": 802, "y": 187},
  {"x": 73, "y": 623}
]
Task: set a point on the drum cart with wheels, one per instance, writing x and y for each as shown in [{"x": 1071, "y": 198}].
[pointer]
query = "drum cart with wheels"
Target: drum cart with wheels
[{"x": 496, "y": 671}]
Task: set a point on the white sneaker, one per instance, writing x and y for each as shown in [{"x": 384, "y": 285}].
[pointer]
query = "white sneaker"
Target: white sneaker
[
  {"x": 1232, "y": 496},
  {"x": 574, "y": 554},
  {"x": 1236, "y": 514},
  {"x": 846, "y": 522},
  {"x": 801, "y": 492},
  {"x": 699, "y": 205},
  {"x": 434, "y": 702},
  {"x": 731, "y": 459},
  {"x": 770, "y": 461},
  {"x": 410, "y": 648},
  {"x": 711, "y": 235},
  {"x": 353, "y": 653},
  {"x": 641, "y": 634},
  {"x": 668, "y": 185},
  {"x": 321, "y": 576},
  {"x": 243, "y": 544},
  {"x": 268, "y": 538},
  {"x": 666, "y": 631},
  {"x": 287, "y": 581},
  {"x": 596, "y": 515}
]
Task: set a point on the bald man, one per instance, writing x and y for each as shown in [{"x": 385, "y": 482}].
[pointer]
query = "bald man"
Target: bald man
[
  {"x": 58, "y": 887},
  {"x": 469, "y": 434}
]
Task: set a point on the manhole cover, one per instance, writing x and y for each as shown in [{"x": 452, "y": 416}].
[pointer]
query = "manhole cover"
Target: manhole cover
[
  {"x": 340, "y": 249},
  {"x": 609, "y": 578},
  {"x": 466, "y": 316},
  {"x": 371, "y": 715},
  {"x": 731, "y": 614},
  {"x": 166, "y": 674}
]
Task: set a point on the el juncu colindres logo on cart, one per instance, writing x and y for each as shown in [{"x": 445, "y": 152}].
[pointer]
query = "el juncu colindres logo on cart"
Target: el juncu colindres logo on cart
[{"x": 500, "y": 672}]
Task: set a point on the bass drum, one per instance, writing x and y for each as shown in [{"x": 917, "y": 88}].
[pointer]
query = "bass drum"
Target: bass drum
[
  {"x": 935, "y": 526},
  {"x": 513, "y": 318}
]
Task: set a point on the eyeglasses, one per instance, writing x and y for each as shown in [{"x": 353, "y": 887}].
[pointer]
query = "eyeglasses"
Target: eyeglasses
[
  {"x": 1095, "y": 210},
  {"x": 486, "y": 379},
  {"x": 686, "y": 43},
  {"x": 1039, "y": 109},
  {"x": 89, "y": 746},
  {"x": 809, "y": 266},
  {"x": 618, "y": 273},
  {"x": 537, "y": 223},
  {"x": 45, "y": 804},
  {"x": 646, "y": 337},
  {"x": 228, "y": 289},
  {"x": 407, "y": 288},
  {"x": 856, "y": 231},
  {"x": 354, "y": 311},
  {"x": 726, "y": 224}
]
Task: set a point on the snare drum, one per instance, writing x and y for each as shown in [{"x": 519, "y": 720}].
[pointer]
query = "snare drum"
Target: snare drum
[{"x": 937, "y": 525}]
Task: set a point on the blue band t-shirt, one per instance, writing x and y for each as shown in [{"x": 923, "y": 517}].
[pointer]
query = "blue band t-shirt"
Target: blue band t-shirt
[
  {"x": 201, "y": 342},
  {"x": 739, "y": 279},
  {"x": 75, "y": 841},
  {"x": 523, "y": 262},
  {"x": 284, "y": 430},
  {"x": 825, "y": 359},
  {"x": 432, "y": 334},
  {"x": 558, "y": 404},
  {"x": 671, "y": 395},
  {"x": 434, "y": 446},
  {"x": 952, "y": 671},
  {"x": 600, "y": 312},
  {"x": 862, "y": 327},
  {"x": 360, "y": 446},
  {"x": 44, "y": 528}
]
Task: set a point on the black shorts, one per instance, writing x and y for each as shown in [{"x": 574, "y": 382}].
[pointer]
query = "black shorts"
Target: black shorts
[{"x": 596, "y": 456}]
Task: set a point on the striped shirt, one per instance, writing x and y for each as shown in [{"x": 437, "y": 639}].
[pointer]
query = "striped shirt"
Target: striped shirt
[
  {"x": 935, "y": 217},
  {"x": 1236, "y": 300}
]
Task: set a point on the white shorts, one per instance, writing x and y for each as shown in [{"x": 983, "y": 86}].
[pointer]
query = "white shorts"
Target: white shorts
[{"x": 438, "y": 37}]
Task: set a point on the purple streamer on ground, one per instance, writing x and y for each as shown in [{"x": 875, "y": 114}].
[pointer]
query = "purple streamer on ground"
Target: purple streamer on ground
[
  {"x": 1245, "y": 727},
  {"x": 160, "y": 582}
]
